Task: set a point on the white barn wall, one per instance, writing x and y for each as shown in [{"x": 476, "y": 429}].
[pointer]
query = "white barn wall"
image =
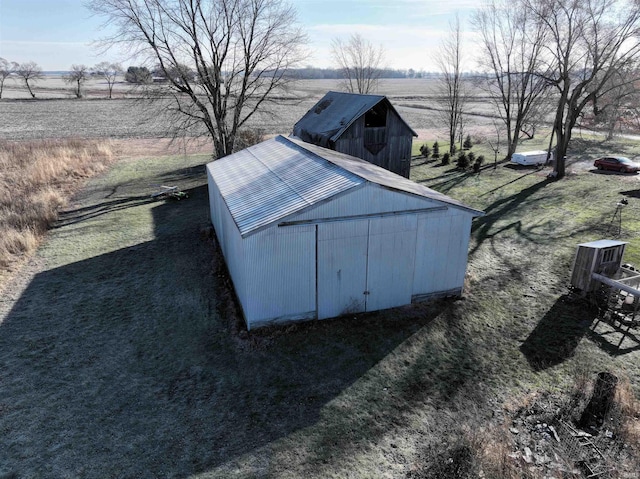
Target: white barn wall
[
  {"x": 234, "y": 254},
  {"x": 366, "y": 199},
  {"x": 231, "y": 243},
  {"x": 280, "y": 274},
  {"x": 441, "y": 252}
]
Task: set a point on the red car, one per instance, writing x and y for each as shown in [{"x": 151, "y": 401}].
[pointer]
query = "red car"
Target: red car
[{"x": 617, "y": 163}]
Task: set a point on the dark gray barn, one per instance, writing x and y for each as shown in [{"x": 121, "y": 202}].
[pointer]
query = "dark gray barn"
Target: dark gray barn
[{"x": 364, "y": 126}]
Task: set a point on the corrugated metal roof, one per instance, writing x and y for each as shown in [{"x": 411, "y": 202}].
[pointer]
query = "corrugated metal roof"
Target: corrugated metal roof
[
  {"x": 380, "y": 176},
  {"x": 281, "y": 176},
  {"x": 334, "y": 113},
  {"x": 274, "y": 179}
]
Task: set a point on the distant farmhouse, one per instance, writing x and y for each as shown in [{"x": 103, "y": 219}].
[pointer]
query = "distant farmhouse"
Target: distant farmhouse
[
  {"x": 311, "y": 233},
  {"x": 364, "y": 126}
]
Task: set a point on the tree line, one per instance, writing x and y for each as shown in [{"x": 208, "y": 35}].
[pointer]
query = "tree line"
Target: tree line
[{"x": 30, "y": 73}]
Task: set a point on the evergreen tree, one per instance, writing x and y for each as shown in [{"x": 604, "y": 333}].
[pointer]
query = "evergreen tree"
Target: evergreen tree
[{"x": 436, "y": 150}]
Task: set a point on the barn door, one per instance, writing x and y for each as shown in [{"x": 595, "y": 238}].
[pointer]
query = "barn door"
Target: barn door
[
  {"x": 365, "y": 265},
  {"x": 342, "y": 268},
  {"x": 391, "y": 260}
]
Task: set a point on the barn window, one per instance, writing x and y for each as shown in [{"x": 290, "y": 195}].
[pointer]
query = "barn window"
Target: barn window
[
  {"x": 375, "y": 128},
  {"x": 376, "y": 117},
  {"x": 609, "y": 255}
]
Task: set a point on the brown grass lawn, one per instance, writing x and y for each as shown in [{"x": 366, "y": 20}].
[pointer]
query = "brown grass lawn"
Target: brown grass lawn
[{"x": 118, "y": 356}]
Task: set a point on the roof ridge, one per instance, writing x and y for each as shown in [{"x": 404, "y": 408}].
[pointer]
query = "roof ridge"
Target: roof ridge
[{"x": 316, "y": 156}]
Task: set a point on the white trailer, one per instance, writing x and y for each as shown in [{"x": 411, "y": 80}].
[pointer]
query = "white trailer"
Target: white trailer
[{"x": 528, "y": 158}]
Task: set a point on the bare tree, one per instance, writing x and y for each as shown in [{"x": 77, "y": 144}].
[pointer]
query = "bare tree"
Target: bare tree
[
  {"x": 7, "y": 69},
  {"x": 452, "y": 84},
  {"x": 78, "y": 75},
  {"x": 589, "y": 41},
  {"x": 29, "y": 72},
  {"x": 512, "y": 40},
  {"x": 108, "y": 72},
  {"x": 237, "y": 53},
  {"x": 494, "y": 144},
  {"x": 359, "y": 62},
  {"x": 613, "y": 107}
]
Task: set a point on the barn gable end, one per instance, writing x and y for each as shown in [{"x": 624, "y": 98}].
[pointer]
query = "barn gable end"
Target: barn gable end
[{"x": 365, "y": 126}]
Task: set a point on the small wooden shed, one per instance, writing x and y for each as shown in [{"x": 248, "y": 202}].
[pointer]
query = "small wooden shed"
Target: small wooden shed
[
  {"x": 602, "y": 257},
  {"x": 364, "y": 126},
  {"x": 308, "y": 233}
]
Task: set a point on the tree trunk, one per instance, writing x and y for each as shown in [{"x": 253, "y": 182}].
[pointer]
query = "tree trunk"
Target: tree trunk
[
  {"x": 29, "y": 88},
  {"x": 603, "y": 395},
  {"x": 562, "y": 145}
]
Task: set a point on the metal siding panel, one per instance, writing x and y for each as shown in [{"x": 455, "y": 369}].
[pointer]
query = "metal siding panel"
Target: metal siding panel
[
  {"x": 228, "y": 237},
  {"x": 342, "y": 264},
  {"x": 452, "y": 277},
  {"x": 461, "y": 254},
  {"x": 428, "y": 249},
  {"x": 233, "y": 250},
  {"x": 367, "y": 199},
  {"x": 441, "y": 252},
  {"x": 280, "y": 274},
  {"x": 213, "y": 200},
  {"x": 392, "y": 248}
]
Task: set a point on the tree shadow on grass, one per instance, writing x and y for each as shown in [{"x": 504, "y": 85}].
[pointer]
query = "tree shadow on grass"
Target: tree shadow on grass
[
  {"x": 128, "y": 195},
  {"x": 77, "y": 215},
  {"x": 484, "y": 227},
  {"x": 452, "y": 178},
  {"x": 557, "y": 335},
  {"x": 631, "y": 193},
  {"x": 122, "y": 363}
]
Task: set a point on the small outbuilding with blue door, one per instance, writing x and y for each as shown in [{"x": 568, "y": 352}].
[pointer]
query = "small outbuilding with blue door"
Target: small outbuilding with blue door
[{"x": 310, "y": 233}]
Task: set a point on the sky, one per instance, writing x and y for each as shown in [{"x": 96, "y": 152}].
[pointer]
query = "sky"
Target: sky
[{"x": 58, "y": 33}]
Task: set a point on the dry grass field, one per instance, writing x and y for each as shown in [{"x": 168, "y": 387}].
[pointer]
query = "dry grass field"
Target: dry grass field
[
  {"x": 120, "y": 354},
  {"x": 37, "y": 178}
]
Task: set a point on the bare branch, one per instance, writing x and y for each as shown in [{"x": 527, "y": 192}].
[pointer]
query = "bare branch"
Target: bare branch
[
  {"x": 590, "y": 42},
  {"x": 7, "y": 69},
  {"x": 453, "y": 85},
  {"x": 108, "y": 72},
  {"x": 223, "y": 59},
  {"x": 360, "y": 63}
]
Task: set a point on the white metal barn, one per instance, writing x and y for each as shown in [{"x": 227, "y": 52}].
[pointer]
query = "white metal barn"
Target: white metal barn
[{"x": 308, "y": 232}]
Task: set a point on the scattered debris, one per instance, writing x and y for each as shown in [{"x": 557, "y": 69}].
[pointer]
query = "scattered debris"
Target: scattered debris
[{"x": 558, "y": 436}]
